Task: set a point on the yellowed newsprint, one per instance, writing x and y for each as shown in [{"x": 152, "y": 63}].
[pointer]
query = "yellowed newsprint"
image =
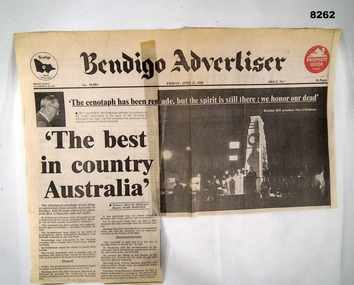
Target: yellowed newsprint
[
  {"x": 123, "y": 126},
  {"x": 92, "y": 165}
]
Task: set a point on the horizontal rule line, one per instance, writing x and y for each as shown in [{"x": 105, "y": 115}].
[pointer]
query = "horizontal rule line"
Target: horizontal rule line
[
  {"x": 192, "y": 104},
  {"x": 119, "y": 203},
  {"x": 176, "y": 86}
]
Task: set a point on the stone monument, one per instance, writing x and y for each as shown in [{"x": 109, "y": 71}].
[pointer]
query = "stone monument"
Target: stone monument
[{"x": 256, "y": 149}]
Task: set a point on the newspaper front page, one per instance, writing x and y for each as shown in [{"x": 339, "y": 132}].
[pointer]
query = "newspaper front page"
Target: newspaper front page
[{"x": 124, "y": 125}]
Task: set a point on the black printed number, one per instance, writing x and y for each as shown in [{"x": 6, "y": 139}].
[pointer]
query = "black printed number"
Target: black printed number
[{"x": 322, "y": 15}]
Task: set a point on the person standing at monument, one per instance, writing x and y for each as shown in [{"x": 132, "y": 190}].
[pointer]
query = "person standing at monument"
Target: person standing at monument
[{"x": 251, "y": 180}]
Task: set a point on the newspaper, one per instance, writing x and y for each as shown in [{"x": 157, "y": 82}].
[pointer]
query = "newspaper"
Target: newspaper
[{"x": 122, "y": 126}]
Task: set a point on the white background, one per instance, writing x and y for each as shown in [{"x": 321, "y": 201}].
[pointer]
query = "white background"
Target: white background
[{"x": 294, "y": 247}]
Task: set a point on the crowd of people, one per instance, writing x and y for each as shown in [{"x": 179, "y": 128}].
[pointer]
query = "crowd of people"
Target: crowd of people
[
  {"x": 298, "y": 185},
  {"x": 229, "y": 183}
]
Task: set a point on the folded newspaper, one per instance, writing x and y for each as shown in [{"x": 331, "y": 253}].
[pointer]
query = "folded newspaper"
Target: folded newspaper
[{"x": 124, "y": 126}]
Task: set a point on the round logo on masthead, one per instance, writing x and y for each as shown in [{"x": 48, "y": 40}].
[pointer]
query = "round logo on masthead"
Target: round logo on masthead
[
  {"x": 316, "y": 59},
  {"x": 44, "y": 66}
]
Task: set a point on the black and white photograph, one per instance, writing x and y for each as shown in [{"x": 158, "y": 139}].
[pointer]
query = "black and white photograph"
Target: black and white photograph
[
  {"x": 235, "y": 149},
  {"x": 50, "y": 109}
]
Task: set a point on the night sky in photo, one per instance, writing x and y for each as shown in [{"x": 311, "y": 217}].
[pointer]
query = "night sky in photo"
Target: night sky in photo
[{"x": 198, "y": 136}]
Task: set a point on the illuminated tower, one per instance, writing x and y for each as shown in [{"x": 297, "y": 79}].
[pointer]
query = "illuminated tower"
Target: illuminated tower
[{"x": 256, "y": 149}]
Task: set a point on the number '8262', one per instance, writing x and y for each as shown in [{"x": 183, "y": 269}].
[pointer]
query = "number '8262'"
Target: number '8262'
[{"x": 322, "y": 14}]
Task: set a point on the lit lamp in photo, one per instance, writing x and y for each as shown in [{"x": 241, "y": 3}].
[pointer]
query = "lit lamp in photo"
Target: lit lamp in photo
[
  {"x": 233, "y": 157},
  {"x": 166, "y": 154},
  {"x": 234, "y": 148},
  {"x": 234, "y": 145}
]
